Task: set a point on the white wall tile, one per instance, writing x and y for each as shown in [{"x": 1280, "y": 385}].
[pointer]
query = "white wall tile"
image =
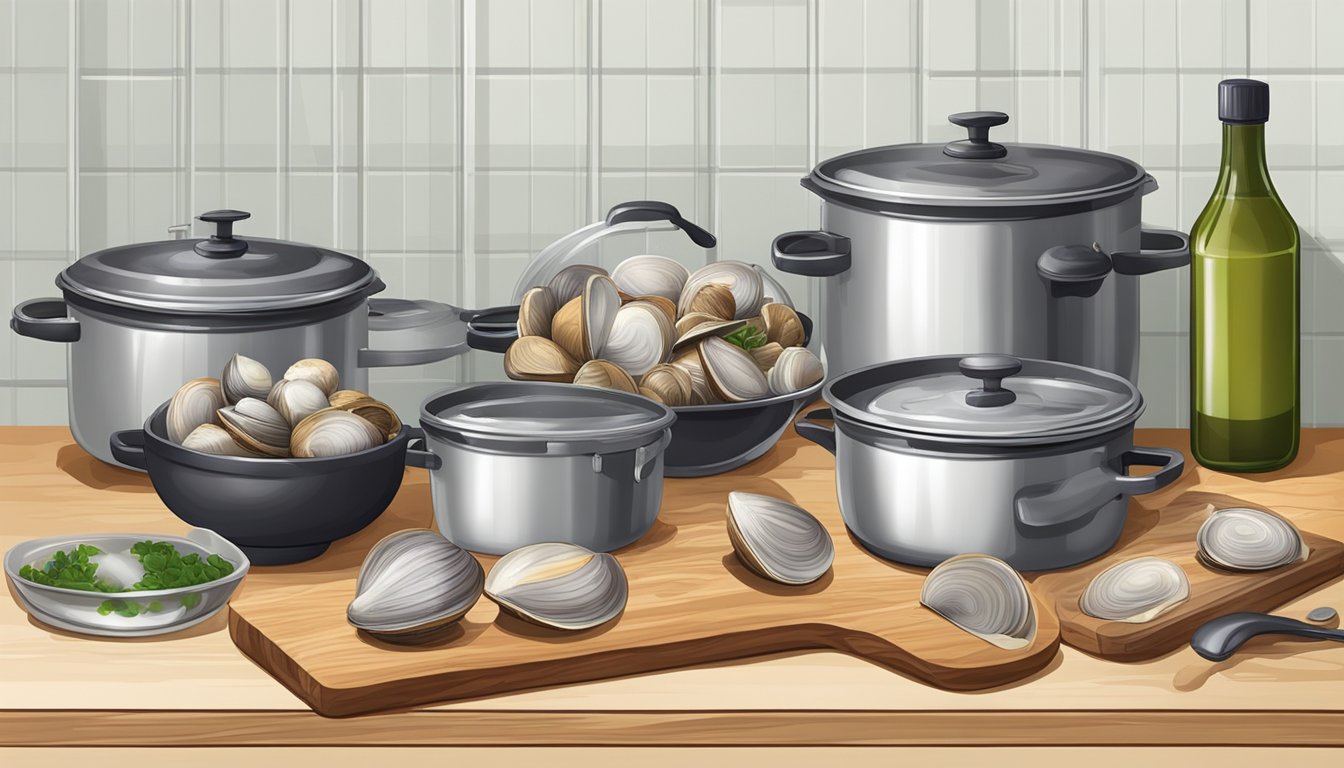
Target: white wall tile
[
  {"x": 40, "y": 117},
  {"x": 949, "y": 36},
  {"x": 310, "y": 119},
  {"x": 1159, "y": 34},
  {"x": 498, "y": 42},
  {"x": 891, "y": 33},
  {"x": 672, "y": 109},
  {"x": 503, "y": 120},
  {"x": 45, "y": 37},
  {"x": 672, "y": 32},
  {"x": 995, "y": 32},
  {"x": 763, "y": 120},
  {"x": 1290, "y": 133},
  {"x": 255, "y": 31},
  {"x": 7, "y": 148},
  {"x": 1201, "y": 136},
  {"x": 154, "y": 30},
  {"x": 153, "y": 117},
  {"x": 558, "y": 30},
  {"x": 1160, "y": 378},
  {"x": 310, "y": 37},
  {"x": 754, "y": 34},
  {"x": 1279, "y": 35},
  {"x": 558, "y": 120},
  {"x": 40, "y": 406},
  {"x": 40, "y": 212},
  {"x": 250, "y": 119}
]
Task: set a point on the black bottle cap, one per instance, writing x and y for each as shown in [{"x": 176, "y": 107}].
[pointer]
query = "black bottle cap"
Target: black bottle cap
[{"x": 1243, "y": 102}]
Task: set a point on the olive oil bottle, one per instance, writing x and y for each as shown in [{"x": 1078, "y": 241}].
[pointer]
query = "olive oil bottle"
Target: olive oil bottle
[{"x": 1244, "y": 325}]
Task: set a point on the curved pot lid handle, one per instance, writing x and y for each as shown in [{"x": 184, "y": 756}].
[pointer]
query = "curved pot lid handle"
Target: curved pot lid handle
[
  {"x": 991, "y": 370},
  {"x": 976, "y": 146},
  {"x": 222, "y": 244}
]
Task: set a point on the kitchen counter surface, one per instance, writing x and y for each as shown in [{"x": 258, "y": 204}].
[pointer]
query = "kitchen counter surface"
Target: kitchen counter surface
[{"x": 196, "y": 688}]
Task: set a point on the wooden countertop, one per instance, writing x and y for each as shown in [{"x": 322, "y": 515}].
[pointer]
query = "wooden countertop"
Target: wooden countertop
[{"x": 195, "y": 688}]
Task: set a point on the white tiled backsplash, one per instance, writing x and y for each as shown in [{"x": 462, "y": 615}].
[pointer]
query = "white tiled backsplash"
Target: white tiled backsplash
[{"x": 445, "y": 141}]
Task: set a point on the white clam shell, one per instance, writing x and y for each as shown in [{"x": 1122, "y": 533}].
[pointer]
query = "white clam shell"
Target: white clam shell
[
  {"x": 601, "y": 304},
  {"x": 562, "y": 586},
  {"x": 641, "y": 337},
  {"x": 216, "y": 441},
  {"x": 650, "y": 275},
  {"x": 731, "y": 372},
  {"x": 244, "y": 377},
  {"x": 297, "y": 399},
  {"x": 778, "y": 540},
  {"x": 741, "y": 278},
  {"x": 333, "y": 432},
  {"x": 796, "y": 369},
  {"x": 535, "y": 311},
  {"x": 1245, "y": 539},
  {"x": 412, "y": 582},
  {"x": 195, "y": 403},
  {"x": 569, "y": 282},
  {"x": 316, "y": 371},
  {"x": 984, "y": 596},
  {"x": 1136, "y": 591},
  {"x": 257, "y": 426}
]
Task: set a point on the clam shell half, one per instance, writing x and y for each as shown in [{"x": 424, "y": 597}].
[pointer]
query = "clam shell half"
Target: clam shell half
[
  {"x": 741, "y": 279},
  {"x": 195, "y": 403},
  {"x": 1245, "y": 539},
  {"x": 562, "y": 586},
  {"x": 778, "y": 540},
  {"x": 1135, "y": 591},
  {"x": 412, "y": 583},
  {"x": 256, "y": 426},
  {"x": 244, "y": 377},
  {"x": 731, "y": 372},
  {"x": 650, "y": 275},
  {"x": 984, "y": 596},
  {"x": 333, "y": 432}
]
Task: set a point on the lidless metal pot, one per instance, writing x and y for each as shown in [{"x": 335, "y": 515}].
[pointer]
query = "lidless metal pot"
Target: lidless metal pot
[
  {"x": 141, "y": 319},
  {"x": 974, "y": 246},
  {"x": 516, "y": 463},
  {"x": 941, "y": 456}
]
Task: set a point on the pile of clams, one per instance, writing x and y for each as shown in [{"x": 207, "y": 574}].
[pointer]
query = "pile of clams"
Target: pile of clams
[
  {"x": 303, "y": 415},
  {"x": 652, "y": 328}
]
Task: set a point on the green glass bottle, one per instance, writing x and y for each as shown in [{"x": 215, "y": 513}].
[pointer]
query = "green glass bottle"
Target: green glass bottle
[{"x": 1244, "y": 327}]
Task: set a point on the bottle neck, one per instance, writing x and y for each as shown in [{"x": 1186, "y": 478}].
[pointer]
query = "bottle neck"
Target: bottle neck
[{"x": 1243, "y": 170}]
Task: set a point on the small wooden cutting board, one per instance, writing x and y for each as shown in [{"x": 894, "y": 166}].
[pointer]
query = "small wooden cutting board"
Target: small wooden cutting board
[
  {"x": 1170, "y": 533},
  {"x": 691, "y": 602}
]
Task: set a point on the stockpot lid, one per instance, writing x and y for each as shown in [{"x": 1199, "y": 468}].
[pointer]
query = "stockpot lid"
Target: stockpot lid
[
  {"x": 976, "y": 173},
  {"x": 986, "y": 398},
  {"x": 219, "y": 274},
  {"x": 531, "y": 417}
]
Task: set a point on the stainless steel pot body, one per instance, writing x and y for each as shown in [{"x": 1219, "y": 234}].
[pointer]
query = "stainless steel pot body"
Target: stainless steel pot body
[
  {"x": 1036, "y": 507},
  {"x": 925, "y": 286},
  {"x": 493, "y": 501}
]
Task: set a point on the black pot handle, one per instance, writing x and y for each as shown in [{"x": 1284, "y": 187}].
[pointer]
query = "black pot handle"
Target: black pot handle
[
  {"x": 812, "y": 253},
  {"x": 494, "y": 329},
  {"x": 128, "y": 447},
  {"x": 810, "y": 430},
  {"x": 1159, "y": 249},
  {"x": 657, "y": 210},
  {"x": 44, "y": 319},
  {"x": 418, "y": 454},
  {"x": 1172, "y": 464}
]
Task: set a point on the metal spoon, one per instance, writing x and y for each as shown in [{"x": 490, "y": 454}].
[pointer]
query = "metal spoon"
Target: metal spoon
[{"x": 1221, "y": 637}]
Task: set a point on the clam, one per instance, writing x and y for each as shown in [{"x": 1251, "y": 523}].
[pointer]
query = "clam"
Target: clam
[
  {"x": 582, "y": 324},
  {"x": 244, "y": 377},
  {"x": 604, "y": 374},
  {"x": 984, "y": 596},
  {"x": 1136, "y": 591},
  {"x": 641, "y": 337},
  {"x": 654, "y": 396},
  {"x": 668, "y": 308},
  {"x": 537, "y": 358},
  {"x": 706, "y": 330},
  {"x": 782, "y": 325},
  {"x": 715, "y": 300},
  {"x": 778, "y": 540},
  {"x": 376, "y": 412},
  {"x": 296, "y": 399},
  {"x": 562, "y": 586},
  {"x": 567, "y": 329},
  {"x": 766, "y": 355},
  {"x": 194, "y": 404},
  {"x": 671, "y": 385},
  {"x": 651, "y": 276},
  {"x": 341, "y": 397},
  {"x": 795, "y": 370},
  {"x": 691, "y": 320},
  {"x": 1244, "y": 539},
  {"x": 743, "y": 280},
  {"x": 333, "y": 432},
  {"x": 214, "y": 440},
  {"x": 689, "y": 361},
  {"x": 256, "y": 426},
  {"x": 731, "y": 372},
  {"x": 568, "y": 283},
  {"x": 535, "y": 312},
  {"x": 317, "y": 371},
  {"x": 412, "y": 583}
]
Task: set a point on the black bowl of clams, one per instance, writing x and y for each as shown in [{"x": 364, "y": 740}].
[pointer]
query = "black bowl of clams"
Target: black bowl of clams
[
  {"x": 280, "y": 469},
  {"x": 713, "y": 345}
]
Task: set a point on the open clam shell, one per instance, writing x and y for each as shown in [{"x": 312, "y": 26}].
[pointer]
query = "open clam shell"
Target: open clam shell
[
  {"x": 796, "y": 369},
  {"x": 741, "y": 279},
  {"x": 1136, "y": 591},
  {"x": 342, "y": 397},
  {"x": 537, "y": 358},
  {"x": 244, "y": 377},
  {"x": 412, "y": 583},
  {"x": 195, "y": 403},
  {"x": 640, "y": 337},
  {"x": 562, "y": 586},
  {"x": 688, "y": 360},
  {"x": 216, "y": 441},
  {"x": 296, "y": 399},
  {"x": 782, "y": 324},
  {"x": 1245, "y": 539},
  {"x": 605, "y": 374},
  {"x": 650, "y": 275},
  {"x": 732, "y": 373},
  {"x": 705, "y": 330},
  {"x": 984, "y": 596},
  {"x": 766, "y": 355},
  {"x": 377, "y": 413},
  {"x": 778, "y": 540},
  {"x": 333, "y": 432},
  {"x": 568, "y": 283},
  {"x": 317, "y": 371},
  {"x": 671, "y": 385},
  {"x": 714, "y": 300},
  {"x": 256, "y": 426},
  {"x": 535, "y": 311}
]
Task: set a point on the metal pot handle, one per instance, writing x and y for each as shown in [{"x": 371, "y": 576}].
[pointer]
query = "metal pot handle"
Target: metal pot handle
[
  {"x": 1056, "y": 504},
  {"x": 128, "y": 447},
  {"x": 812, "y": 253},
  {"x": 420, "y": 332},
  {"x": 810, "y": 430},
  {"x": 417, "y": 451},
  {"x": 646, "y": 455},
  {"x": 44, "y": 319},
  {"x": 1159, "y": 249},
  {"x": 494, "y": 329}
]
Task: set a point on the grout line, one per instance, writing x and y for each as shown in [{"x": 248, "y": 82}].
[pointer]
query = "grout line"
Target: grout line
[{"x": 466, "y": 198}]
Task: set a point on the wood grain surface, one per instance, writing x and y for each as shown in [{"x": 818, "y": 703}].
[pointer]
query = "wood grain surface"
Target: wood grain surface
[
  {"x": 691, "y": 602},
  {"x": 1170, "y": 533}
]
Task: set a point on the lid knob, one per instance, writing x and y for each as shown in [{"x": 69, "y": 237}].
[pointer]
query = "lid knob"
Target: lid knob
[
  {"x": 977, "y": 145},
  {"x": 222, "y": 244},
  {"x": 991, "y": 370}
]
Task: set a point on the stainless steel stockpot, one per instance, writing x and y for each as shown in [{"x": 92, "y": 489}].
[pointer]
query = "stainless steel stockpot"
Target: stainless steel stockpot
[
  {"x": 974, "y": 246},
  {"x": 1025, "y": 460},
  {"x": 514, "y": 463},
  {"x": 142, "y": 319}
]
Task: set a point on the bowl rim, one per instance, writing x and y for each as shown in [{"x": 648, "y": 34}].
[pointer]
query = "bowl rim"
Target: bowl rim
[
  {"x": 801, "y": 395},
  {"x": 235, "y": 554}
]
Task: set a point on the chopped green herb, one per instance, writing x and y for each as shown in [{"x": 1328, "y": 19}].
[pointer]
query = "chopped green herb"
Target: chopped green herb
[
  {"x": 165, "y": 568},
  {"x": 747, "y": 337},
  {"x": 191, "y": 600}
]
